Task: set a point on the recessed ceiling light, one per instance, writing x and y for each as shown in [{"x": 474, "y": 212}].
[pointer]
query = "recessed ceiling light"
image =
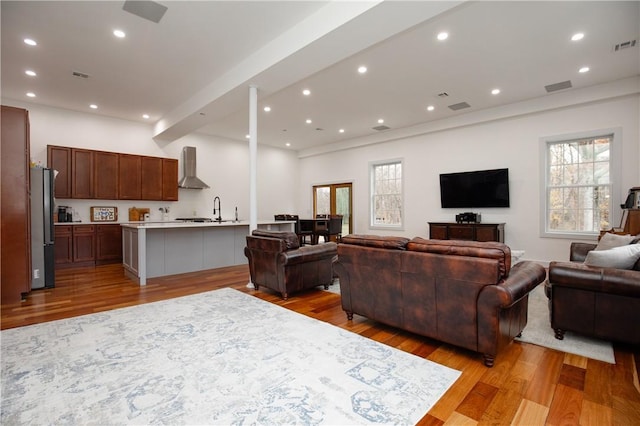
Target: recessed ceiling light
[
  {"x": 430, "y": 108},
  {"x": 93, "y": 106},
  {"x": 362, "y": 69},
  {"x": 583, "y": 69},
  {"x": 30, "y": 73},
  {"x": 145, "y": 116},
  {"x": 247, "y": 136},
  {"x": 267, "y": 109},
  {"x": 443, "y": 36},
  {"x": 341, "y": 130},
  {"x": 308, "y": 121},
  {"x": 30, "y": 42},
  {"x": 288, "y": 144},
  {"x": 577, "y": 36},
  {"x": 306, "y": 92},
  {"x": 31, "y": 94},
  {"x": 119, "y": 33},
  {"x": 495, "y": 91},
  {"x": 380, "y": 121}
]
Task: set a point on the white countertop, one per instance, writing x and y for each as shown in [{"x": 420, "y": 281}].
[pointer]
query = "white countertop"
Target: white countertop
[{"x": 181, "y": 224}]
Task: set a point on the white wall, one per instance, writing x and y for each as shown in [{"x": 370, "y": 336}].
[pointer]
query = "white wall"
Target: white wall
[
  {"x": 221, "y": 163},
  {"x": 511, "y": 142}
]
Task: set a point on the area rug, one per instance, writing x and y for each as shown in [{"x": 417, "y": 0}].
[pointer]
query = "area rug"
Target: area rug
[
  {"x": 221, "y": 357},
  {"x": 539, "y": 332}
]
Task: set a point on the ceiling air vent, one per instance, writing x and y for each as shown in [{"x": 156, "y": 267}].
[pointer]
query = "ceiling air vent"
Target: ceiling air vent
[
  {"x": 79, "y": 74},
  {"x": 624, "y": 45},
  {"x": 558, "y": 86},
  {"x": 149, "y": 10},
  {"x": 381, "y": 128},
  {"x": 460, "y": 105}
]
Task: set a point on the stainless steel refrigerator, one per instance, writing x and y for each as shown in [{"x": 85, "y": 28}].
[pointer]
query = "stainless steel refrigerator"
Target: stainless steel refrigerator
[{"x": 42, "y": 233}]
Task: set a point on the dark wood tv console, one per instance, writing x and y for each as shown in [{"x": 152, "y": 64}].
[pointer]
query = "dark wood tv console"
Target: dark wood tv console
[{"x": 467, "y": 231}]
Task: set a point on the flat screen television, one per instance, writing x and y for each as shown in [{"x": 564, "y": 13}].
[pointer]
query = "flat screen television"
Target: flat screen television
[{"x": 482, "y": 188}]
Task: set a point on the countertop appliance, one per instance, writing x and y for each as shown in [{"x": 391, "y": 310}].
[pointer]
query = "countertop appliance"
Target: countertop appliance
[{"x": 42, "y": 234}]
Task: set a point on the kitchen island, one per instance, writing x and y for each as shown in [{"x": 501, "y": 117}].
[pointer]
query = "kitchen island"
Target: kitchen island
[{"x": 155, "y": 249}]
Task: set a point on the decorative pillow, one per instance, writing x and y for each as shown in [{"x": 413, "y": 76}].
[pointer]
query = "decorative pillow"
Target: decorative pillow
[
  {"x": 623, "y": 257},
  {"x": 609, "y": 241}
]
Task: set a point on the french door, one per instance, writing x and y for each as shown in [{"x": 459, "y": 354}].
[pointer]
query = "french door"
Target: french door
[{"x": 334, "y": 199}]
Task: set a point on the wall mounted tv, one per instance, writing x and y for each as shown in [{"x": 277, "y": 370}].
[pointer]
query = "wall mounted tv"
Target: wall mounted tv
[{"x": 482, "y": 188}]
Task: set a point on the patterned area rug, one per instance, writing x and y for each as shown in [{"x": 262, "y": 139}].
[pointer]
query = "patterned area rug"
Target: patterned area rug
[
  {"x": 539, "y": 332},
  {"x": 221, "y": 357}
]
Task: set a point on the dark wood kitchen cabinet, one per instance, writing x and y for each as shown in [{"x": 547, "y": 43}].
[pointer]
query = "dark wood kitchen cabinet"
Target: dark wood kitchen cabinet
[
  {"x": 169, "y": 179},
  {"x": 108, "y": 244},
  {"x": 15, "y": 246},
  {"x": 82, "y": 173},
  {"x": 59, "y": 159},
  {"x": 84, "y": 244},
  {"x": 129, "y": 177},
  {"x": 63, "y": 244},
  {"x": 106, "y": 175},
  {"x": 151, "y": 175}
]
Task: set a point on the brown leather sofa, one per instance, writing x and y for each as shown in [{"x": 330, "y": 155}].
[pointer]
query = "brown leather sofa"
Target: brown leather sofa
[
  {"x": 594, "y": 301},
  {"x": 277, "y": 261},
  {"x": 460, "y": 292}
]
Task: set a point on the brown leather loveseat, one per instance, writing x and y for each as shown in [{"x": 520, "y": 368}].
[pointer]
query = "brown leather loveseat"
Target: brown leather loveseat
[
  {"x": 460, "y": 292},
  {"x": 596, "y": 301},
  {"x": 277, "y": 261}
]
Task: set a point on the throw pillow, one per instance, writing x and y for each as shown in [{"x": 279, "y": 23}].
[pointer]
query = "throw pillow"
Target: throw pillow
[
  {"x": 609, "y": 241},
  {"x": 623, "y": 257}
]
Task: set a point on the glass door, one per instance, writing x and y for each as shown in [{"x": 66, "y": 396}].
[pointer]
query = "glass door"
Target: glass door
[{"x": 334, "y": 199}]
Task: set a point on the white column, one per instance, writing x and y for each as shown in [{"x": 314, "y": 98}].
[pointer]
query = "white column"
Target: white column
[{"x": 253, "y": 162}]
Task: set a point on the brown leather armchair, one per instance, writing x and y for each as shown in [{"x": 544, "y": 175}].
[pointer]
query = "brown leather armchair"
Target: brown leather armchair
[
  {"x": 276, "y": 261},
  {"x": 594, "y": 301}
]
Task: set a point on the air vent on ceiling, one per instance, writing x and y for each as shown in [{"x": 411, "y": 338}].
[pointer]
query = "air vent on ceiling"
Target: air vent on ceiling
[
  {"x": 558, "y": 86},
  {"x": 79, "y": 74},
  {"x": 381, "y": 128},
  {"x": 145, "y": 9},
  {"x": 624, "y": 45},
  {"x": 460, "y": 105}
]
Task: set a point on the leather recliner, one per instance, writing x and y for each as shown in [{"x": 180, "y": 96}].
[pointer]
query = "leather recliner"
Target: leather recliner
[
  {"x": 594, "y": 301},
  {"x": 276, "y": 261}
]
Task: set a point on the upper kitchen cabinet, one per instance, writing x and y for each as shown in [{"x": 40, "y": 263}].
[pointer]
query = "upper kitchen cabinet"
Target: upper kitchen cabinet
[
  {"x": 169, "y": 179},
  {"x": 106, "y": 175},
  {"x": 59, "y": 159},
  {"x": 89, "y": 174},
  {"x": 151, "y": 173},
  {"x": 82, "y": 173},
  {"x": 129, "y": 177}
]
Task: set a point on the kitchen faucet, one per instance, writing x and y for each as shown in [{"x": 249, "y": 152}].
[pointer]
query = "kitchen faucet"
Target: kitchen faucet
[{"x": 219, "y": 218}]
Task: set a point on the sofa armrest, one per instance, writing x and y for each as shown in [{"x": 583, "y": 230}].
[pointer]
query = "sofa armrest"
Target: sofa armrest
[
  {"x": 623, "y": 282},
  {"x": 309, "y": 254},
  {"x": 579, "y": 251},
  {"x": 524, "y": 277}
]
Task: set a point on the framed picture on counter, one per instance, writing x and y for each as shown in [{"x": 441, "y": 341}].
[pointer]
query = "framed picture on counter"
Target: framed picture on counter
[{"x": 104, "y": 214}]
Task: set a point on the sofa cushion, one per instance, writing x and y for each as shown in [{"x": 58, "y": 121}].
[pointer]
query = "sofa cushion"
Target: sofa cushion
[
  {"x": 609, "y": 241},
  {"x": 290, "y": 238},
  {"x": 486, "y": 249},
  {"x": 376, "y": 241},
  {"x": 623, "y": 257}
]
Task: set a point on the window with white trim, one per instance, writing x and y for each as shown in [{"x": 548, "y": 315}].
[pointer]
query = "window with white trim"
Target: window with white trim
[
  {"x": 386, "y": 194},
  {"x": 579, "y": 177}
]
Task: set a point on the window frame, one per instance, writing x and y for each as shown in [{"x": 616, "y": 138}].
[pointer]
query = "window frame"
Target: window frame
[
  {"x": 615, "y": 163},
  {"x": 372, "y": 168}
]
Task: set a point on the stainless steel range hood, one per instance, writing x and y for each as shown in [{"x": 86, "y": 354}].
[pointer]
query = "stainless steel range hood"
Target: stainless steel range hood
[{"x": 190, "y": 180}]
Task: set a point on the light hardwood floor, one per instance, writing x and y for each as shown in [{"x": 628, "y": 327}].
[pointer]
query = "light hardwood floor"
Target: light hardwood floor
[{"x": 529, "y": 385}]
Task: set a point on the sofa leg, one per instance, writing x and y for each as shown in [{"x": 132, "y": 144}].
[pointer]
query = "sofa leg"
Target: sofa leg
[
  {"x": 488, "y": 360},
  {"x": 285, "y": 295},
  {"x": 326, "y": 286},
  {"x": 349, "y": 316},
  {"x": 559, "y": 333}
]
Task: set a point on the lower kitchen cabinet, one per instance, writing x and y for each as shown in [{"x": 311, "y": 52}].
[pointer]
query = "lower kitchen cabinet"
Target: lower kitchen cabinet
[{"x": 87, "y": 245}]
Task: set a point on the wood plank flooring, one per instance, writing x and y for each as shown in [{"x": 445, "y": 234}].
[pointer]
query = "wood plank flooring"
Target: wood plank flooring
[{"x": 529, "y": 385}]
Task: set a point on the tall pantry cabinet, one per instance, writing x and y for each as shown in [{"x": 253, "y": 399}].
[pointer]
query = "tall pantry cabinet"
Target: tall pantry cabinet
[{"x": 15, "y": 248}]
